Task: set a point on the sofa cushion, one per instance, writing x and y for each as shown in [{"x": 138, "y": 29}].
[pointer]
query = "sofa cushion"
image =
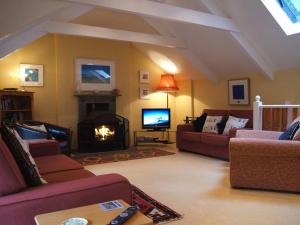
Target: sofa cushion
[
  {"x": 210, "y": 125},
  {"x": 26, "y": 167},
  {"x": 56, "y": 163},
  {"x": 234, "y": 122},
  {"x": 191, "y": 136},
  {"x": 215, "y": 139},
  {"x": 199, "y": 122},
  {"x": 287, "y": 134},
  {"x": 68, "y": 175},
  {"x": 221, "y": 125},
  {"x": 27, "y": 132},
  {"x": 11, "y": 179},
  {"x": 296, "y": 133}
]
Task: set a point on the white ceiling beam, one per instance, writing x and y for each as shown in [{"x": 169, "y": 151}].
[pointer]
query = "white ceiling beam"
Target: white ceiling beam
[
  {"x": 186, "y": 53},
  {"x": 108, "y": 33},
  {"x": 28, "y": 34},
  {"x": 164, "y": 11},
  {"x": 244, "y": 43}
]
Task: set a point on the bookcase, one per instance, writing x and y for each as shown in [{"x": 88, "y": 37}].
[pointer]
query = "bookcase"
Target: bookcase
[{"x": 15, "y": 106}]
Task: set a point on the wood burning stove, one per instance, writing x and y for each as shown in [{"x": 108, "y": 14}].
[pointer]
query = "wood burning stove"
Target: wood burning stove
[{"x": 104, "y": 132}]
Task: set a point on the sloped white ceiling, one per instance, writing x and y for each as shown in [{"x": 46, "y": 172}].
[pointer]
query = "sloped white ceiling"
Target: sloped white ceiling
[
  {"x": 215, "y": 50},
  {"x": 16, "y": 14},
  {"x": 259, "y": 26}
]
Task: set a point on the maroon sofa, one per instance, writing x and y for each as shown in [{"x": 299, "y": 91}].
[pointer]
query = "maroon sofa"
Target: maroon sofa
[
  {"x": 216, "y": 145},
  {"x": 69, "y": 185}
]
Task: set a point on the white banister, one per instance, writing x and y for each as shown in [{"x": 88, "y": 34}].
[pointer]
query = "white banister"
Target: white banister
[
  {"x": 258, "y": 108},
  {"x": 257, "y": 113}
]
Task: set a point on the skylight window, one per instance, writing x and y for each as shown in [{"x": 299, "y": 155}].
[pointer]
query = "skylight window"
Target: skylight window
[
  {"x": 291, "y": 8},
  {"x": 286, "y": 13}
]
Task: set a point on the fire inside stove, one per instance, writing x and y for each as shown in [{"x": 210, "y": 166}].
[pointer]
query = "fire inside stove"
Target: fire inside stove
[{"x": 104, "y": 133}]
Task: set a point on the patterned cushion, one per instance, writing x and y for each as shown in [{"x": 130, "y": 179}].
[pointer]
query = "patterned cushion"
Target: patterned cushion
[
  {"x": 234, "y": 122},
  {"x": 287, "y": 134},
  {"x": 28, "y": 170},
  {"x": 295, "y": 121},
  {"x": 296, "y": 133},
  {"x": 210, "y": 125}
]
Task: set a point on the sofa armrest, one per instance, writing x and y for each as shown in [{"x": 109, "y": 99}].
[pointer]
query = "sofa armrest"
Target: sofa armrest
[
  {"x": 43, "y": 148},
  {"x": 20, "y": 208},
  {"x": 185, "y": 127},
  {"x": 259, "y": 134},
  {"x": 263, "y": 147}
]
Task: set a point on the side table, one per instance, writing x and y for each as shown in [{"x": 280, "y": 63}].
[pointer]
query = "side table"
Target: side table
[{"x": 93, "y": 213}]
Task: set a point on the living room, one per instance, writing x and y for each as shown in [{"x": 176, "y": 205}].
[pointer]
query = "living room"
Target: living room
[{"x": 173, "y": 179}]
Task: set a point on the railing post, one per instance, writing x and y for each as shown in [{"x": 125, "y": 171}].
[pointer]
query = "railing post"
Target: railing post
[{"x": 257, "y": 113}]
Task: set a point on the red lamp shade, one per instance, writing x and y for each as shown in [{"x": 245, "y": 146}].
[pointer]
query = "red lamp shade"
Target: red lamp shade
[{"x": 167, "y": 83}]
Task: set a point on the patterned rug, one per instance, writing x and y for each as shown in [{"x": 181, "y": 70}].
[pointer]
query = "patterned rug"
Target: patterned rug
[
  {"x": 115, "y": 156},
  {"x": 153, "y": 209}
]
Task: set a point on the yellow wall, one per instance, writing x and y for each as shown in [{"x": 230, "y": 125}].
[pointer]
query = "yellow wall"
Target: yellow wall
[
  {"x": 56, "y": 103},
  {"x": 283, "y": 89}
]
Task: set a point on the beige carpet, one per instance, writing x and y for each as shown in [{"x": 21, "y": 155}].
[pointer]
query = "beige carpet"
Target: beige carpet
[{"x": 198, "y": 187}]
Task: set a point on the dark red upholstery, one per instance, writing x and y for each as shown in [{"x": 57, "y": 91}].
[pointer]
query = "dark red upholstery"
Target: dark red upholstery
[
  {"x": 69, "y": 185},
  {"x": 67, "y": 175},
  {"x": 21, "y": 208},
  {"x": 209, "y": 144},
  {"x": 11, "y": 179},
  {"x": 46, "y": 164}
]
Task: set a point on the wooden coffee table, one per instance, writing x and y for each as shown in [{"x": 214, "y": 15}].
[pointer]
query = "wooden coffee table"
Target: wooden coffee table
[{"x": 93, "y": 213}]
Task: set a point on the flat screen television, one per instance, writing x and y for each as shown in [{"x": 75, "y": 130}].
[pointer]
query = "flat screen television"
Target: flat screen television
[{"x": 156, "y": 119}]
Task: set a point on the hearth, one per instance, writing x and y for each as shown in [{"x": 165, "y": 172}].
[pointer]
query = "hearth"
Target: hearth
[{"x": 103, "y": 133}]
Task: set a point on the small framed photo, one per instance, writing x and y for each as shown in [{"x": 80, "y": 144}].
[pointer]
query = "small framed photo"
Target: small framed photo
[
  {"x": 144, "y": 92},
  {"x": 94, "y": 75},
  {"x": 31, "y": 75},
  {"x": 238, "y": 92},
  {"x": 144, "y": 77}
]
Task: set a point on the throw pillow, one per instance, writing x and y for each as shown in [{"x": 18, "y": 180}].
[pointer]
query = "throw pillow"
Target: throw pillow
[
  {"x": 210, "y": 125},
  {"x": 25, "y": 147},
  {"x": 222, "y": 124},
  {"x": 296, "y": 133},
  {"x": 199, "y": 122},
  {"x": 287, "y": 134},
  {"x": 27, "y": 169},
  {"x": 234, "y": 122},
  {"x": 295, "y": 120},
  {"x": 37, "y": 127},
  {"x": 27, "y": 132}
]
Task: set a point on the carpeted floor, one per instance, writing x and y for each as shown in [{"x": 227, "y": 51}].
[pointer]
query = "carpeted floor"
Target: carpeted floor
[
  {"x": 198, "y": 187},
  {"x": 123, "y": 155},
  {"x": 153, "y": 209}
]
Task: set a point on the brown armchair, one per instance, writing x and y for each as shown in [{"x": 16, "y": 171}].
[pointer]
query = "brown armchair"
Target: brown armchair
[
  {"x": 60, "y": 134},
  {"x": 259, "y": 160}
]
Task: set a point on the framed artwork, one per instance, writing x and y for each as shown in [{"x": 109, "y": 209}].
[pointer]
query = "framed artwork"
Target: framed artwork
[
  {"x": 144, "y": 92},
  {"x": 31, "y": 75},
  {"x": 94, "y": 75},
  {"x": 238, "y": 92},
  {"x": 144, "y": 77}
]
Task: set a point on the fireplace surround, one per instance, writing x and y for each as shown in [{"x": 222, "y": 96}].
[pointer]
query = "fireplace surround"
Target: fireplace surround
[{"x": 99, "y": 127}]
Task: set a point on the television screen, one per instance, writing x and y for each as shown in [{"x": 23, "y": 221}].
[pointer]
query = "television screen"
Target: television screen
[{"x": 156, "y": 118}]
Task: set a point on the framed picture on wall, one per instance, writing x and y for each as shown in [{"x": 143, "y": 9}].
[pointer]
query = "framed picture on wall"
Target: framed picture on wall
[
  {"x": 144, "y": 92},
  {"x": 31, "y": 75},
  {"x": 238, "y": 92},
  {"x": 144, "y": 77},
  {"x": 94, "y": 75}
]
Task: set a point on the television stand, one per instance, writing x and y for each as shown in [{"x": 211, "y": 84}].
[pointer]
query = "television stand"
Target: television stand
[{"x": 152, "y": 138}]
